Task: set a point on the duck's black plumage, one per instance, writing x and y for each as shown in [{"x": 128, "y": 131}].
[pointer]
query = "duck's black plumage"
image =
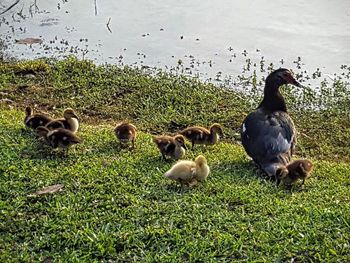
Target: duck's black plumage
[{"x": 268, "y": 134}]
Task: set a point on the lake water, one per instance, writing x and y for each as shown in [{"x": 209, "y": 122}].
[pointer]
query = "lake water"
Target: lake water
[{"x": 208, "y": 37}]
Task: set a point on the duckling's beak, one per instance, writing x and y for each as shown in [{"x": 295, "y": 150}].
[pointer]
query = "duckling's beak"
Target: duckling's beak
[
  {"x": 278, "y": 181},
  {"x": 75, "y": 116},
  {"x": 185, "y": 147}
]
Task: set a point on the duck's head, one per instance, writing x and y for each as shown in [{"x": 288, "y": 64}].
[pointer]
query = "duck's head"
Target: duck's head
[
  {"x": 180, "y": 139},
  {"x": 281, "y": 77},
  {"x": 200, "y": 160},
  {"x": 216, "y": 127},
  {"x": 28, "y": 111},
  {"x": 69, "y": 113}
]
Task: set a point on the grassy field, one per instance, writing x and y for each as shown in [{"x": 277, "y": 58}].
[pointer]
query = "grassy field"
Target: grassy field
[{"x": 116, "y": 206}]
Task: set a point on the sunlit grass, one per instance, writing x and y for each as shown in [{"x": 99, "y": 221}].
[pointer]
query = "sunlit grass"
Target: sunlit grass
[
  {"x": 116, "y": 205},
  {"x": 160, "y": 102}
]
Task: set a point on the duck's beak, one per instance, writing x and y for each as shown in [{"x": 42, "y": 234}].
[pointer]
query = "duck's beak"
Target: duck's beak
[
  {"x": 291, "y": 80},
  {"x": 296, "y": 83}
]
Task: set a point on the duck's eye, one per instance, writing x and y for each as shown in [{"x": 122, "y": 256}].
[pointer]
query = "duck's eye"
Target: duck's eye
[{"x": 286, "y": 75}]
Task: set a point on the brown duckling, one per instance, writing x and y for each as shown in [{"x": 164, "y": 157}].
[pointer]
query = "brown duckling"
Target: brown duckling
[
  {"x": 58, "y": 138},
  {"x": 125, "y": 132},
  {"x": 201, "y": 135},
  {"x": 70, "y": 121},
  {"x": 189, "y": 172},
  {"x": 174, "y": 147},
  {"x": 299, "y": 169},
  {"x": 33, "y": 121}
]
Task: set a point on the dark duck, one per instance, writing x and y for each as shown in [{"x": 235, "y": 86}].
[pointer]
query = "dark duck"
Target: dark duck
[{"x": 268, "y": 134}]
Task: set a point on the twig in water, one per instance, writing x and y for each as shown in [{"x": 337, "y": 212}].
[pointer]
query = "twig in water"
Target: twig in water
[
  {"x": 10, "y": 7},
  {"x": 36, "y": 8},
  {"x": 109, "y": 29},
  {"x": 95, "y": 7},
  {"x": 20, "y": 13}
]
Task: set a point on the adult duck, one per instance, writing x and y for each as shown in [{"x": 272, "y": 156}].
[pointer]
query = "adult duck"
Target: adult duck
[{"x": 268, "y": 134}]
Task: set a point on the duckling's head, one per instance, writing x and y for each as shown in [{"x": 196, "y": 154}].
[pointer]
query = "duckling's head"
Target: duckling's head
[
  {"x": 216, "y": 127},
  {"x": 180, "y": 139},
  {"x": 28, "y": 111},
  {"x": 42, "y": 131},
  {"x": 303, "y": 168},
  {"x": 307, "y": 166},
  {"x": 69, "y": 113},
  {"x": 200, "y": 160},
  {"x": 281, "y": 173}
]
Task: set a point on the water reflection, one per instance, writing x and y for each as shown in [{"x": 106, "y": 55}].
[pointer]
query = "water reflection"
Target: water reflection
[{"x": 206, "y": 38}]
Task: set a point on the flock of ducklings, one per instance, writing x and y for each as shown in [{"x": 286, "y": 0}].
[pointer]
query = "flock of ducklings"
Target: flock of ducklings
[{"x": 61, "y": 133}]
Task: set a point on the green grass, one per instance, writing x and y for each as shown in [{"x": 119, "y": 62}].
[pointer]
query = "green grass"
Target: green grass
[
  {"x": 116, "y": 206},
  {"x": 165, "y": 103}
]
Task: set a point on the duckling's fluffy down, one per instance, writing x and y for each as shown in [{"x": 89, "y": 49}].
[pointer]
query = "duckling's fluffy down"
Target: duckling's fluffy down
[
  {"x": 185, "y": 171},
  {"x": 182, "y": 171},
  {"x": 202, "y": 169}
]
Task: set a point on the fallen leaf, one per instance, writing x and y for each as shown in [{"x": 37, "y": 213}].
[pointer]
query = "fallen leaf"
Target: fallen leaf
[{"x": 48, "y": 190}]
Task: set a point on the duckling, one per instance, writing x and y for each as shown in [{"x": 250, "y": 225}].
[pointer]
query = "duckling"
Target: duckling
[
  {"x": 201, "y": 135},
  {"x": 33, "y": 121},
  {"x": 174, "y": 147},
  {"x": 58, "y": 138},
  {"x": 189, "y": 172},
  {"x": 299, "y": 169},
  {"x": 202, "y": 168},
  {"x": 125, "y": 132},
  {"x": 70, "y": 121}
]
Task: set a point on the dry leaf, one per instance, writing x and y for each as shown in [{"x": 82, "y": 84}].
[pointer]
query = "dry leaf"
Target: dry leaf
[{"x": 49, "y": 190}]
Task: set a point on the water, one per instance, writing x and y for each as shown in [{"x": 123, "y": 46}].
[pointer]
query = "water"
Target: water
[{"x": 208, "y": 38}]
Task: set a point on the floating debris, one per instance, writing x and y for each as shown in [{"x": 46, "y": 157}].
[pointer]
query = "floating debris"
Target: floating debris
[
  {"x": 29, "y": 41},
  {"x": 49, "y": 22}
]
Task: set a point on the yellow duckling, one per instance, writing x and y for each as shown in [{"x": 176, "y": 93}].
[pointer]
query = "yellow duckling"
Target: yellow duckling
[
  {"x": 201, "y": 135},
  {"x": 299, "y": 169},
  {"x": 33, "y": 121},
  {"x": 69, "y": 121},
  {"x": 58, "y": 138},
  {"x": 125, "y": 132},
  {"x": 174, "y": 147},
  {"x": 189, "y": 172}
]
